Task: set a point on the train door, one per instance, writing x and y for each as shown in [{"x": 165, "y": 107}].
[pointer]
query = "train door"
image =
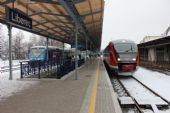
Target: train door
[{"x": 56, "y": 54}]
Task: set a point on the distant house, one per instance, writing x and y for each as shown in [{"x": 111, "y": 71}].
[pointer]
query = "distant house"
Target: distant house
[{"x": 155, "y": 50}]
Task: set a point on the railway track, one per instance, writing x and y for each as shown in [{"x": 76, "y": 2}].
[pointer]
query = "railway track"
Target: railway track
[
  {"x": 6, "y": 68},
  {"x": 129, "y": 102},
  {"x": 152, "y": 90},
  {"x": 122, "y": 92}
]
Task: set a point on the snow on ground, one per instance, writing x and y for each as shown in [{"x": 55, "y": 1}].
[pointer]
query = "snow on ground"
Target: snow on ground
[
  {"x": 10, "y": 87},
  {"x": 6, "y": 63},
  {"x": 136, "y": 89},
  {"x": 157, "y": 81}
]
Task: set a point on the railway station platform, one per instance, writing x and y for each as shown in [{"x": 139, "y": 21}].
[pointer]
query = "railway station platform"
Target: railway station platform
[{"x": 91, "y": 93}]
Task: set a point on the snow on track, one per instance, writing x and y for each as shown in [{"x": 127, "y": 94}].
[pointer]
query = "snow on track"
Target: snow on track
[
  {"x": 156, "y": 81},
  {"x": 136, "y": 89}
]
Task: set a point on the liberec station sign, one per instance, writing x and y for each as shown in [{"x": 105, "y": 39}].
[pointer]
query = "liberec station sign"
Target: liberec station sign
[{"x": 17, "y": 17}]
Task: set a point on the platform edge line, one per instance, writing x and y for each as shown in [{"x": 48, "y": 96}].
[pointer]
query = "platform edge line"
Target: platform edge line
[{"x": 113, "y": 95}]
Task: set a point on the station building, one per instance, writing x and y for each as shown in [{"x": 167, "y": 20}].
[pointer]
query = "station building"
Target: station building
[{"x": 155, "y": 52}]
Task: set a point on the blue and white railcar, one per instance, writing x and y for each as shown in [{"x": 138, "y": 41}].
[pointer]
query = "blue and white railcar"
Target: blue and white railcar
[{"x": 42, "y": 53}]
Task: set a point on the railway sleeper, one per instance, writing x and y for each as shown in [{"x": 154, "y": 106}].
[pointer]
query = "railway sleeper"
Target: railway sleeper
[
  {"x": 126, "y": 102},
  {"x": 155, "y": 104}
]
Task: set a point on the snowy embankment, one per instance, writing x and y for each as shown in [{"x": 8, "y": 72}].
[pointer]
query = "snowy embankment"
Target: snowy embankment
[
  {"x": 157, "y": 81},
  {"x": 10, "y": 87}
]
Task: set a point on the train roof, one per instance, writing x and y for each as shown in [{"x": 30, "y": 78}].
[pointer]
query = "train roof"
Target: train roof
[
  {"x": 122, "y": 41},
  {"x": 50, "y": 47}
]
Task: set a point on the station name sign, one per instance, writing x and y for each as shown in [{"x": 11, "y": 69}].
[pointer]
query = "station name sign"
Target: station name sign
[{"x": 18, "y": 17}]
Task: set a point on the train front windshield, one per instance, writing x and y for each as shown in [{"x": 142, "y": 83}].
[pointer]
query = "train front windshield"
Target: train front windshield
[
  {"x": 37, "y": 53},
  {"x": 125, "y": 47}
]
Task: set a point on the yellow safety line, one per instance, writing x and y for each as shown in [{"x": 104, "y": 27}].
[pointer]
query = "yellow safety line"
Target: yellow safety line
[{"x": 94, "y": 92}]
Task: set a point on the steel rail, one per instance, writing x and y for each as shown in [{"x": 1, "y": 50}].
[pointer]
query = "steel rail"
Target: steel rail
[
  {"x": 152, "y": 90},
  {"x": 135, "y": 102}
]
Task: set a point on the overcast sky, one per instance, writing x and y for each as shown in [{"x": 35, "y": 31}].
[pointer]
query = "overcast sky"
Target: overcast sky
[{"x": 134, "y": 19}]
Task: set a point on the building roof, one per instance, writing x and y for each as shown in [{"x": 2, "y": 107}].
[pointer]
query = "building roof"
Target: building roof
[
  {"x": 56, "y": 18},
  {"x": 154, "y": 43}
]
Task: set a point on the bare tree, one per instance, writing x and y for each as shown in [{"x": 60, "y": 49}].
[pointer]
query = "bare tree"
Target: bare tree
[
  {"x": 3, "y": 43},
  {"x": 17, "y": 45},
  {"x": 33, "y": 40},
  {"x": 42, "y": 41}
]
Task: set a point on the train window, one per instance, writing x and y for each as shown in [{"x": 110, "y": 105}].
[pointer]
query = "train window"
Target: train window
[
  {"x": 37, "y": 52},
  {"x": 125, "y": 47}
]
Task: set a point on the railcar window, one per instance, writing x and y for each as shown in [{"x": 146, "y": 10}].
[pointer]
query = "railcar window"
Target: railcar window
[
  {"x": 125, "y": 47},
  {"x": 37, "y": 53}
]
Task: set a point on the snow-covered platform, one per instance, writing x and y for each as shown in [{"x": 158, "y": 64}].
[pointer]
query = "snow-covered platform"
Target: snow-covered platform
[{"x": 91, "y": 93}]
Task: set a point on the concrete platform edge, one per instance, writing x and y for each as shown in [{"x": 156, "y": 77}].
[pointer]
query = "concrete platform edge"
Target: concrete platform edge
[
  {"x": 114, "y": 97},
  {"x": 86, "y": 101}
]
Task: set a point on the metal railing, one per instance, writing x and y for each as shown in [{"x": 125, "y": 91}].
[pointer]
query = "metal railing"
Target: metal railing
[{"x": 47, "y": 69}]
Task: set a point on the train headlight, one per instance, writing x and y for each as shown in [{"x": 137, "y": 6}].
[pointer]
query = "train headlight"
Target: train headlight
[
  {"x": 118, "y": 59},
  {"x": 134, "y": 59}
]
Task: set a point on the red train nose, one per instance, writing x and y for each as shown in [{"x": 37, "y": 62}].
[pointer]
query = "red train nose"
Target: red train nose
[{"x": 128, "y": 67}]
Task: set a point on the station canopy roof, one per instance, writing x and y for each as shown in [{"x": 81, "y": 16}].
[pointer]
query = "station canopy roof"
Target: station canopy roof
[{"x": 56, "y": 19}]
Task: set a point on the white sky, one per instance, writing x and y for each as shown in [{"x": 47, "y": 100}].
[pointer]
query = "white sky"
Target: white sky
[{"x": 134, "y": 19}]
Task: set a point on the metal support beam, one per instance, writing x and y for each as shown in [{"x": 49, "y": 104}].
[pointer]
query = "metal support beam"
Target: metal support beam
[
  {"x": 49, "y": 21},
  {"x": 86, "y": 48},
  {"x": 46, "y": 34},
  {"x": 69, "y": 7},
  {"x": 47, "y": 1},
  {"x": 76, "y": 1},
  {"x": 55, "y": 1},
  {"x": 76, "y": 54},
  {"x": 7, "y": 2},
  {"x": 10, "y": 51},
  {"x": 63, "y": 54},
  {"x": 57, "y": 27},
  {"x": 93, "y": 22},
  {"x": 93, "y": 13},
  {"x": 87, "y": 56},
  {"x": 47, "y": 48},
  {"x": 49, "y": 13}
]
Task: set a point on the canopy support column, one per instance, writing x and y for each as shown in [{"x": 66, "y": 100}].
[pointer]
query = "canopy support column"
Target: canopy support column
[
  {"x": 10, "y": 51},
  {"x": 47, "y": 49},
  {"x": 63, "y": 54},
  {"x": 76, "y": 54},
  {"x": 86, "y": 48}
]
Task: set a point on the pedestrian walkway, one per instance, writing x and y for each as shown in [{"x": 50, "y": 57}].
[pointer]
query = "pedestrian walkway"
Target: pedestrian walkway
[{"x": 91, "y": 93}]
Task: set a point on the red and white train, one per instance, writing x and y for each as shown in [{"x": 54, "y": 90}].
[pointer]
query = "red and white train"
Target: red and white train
[{"x": 122, "y": 57}]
